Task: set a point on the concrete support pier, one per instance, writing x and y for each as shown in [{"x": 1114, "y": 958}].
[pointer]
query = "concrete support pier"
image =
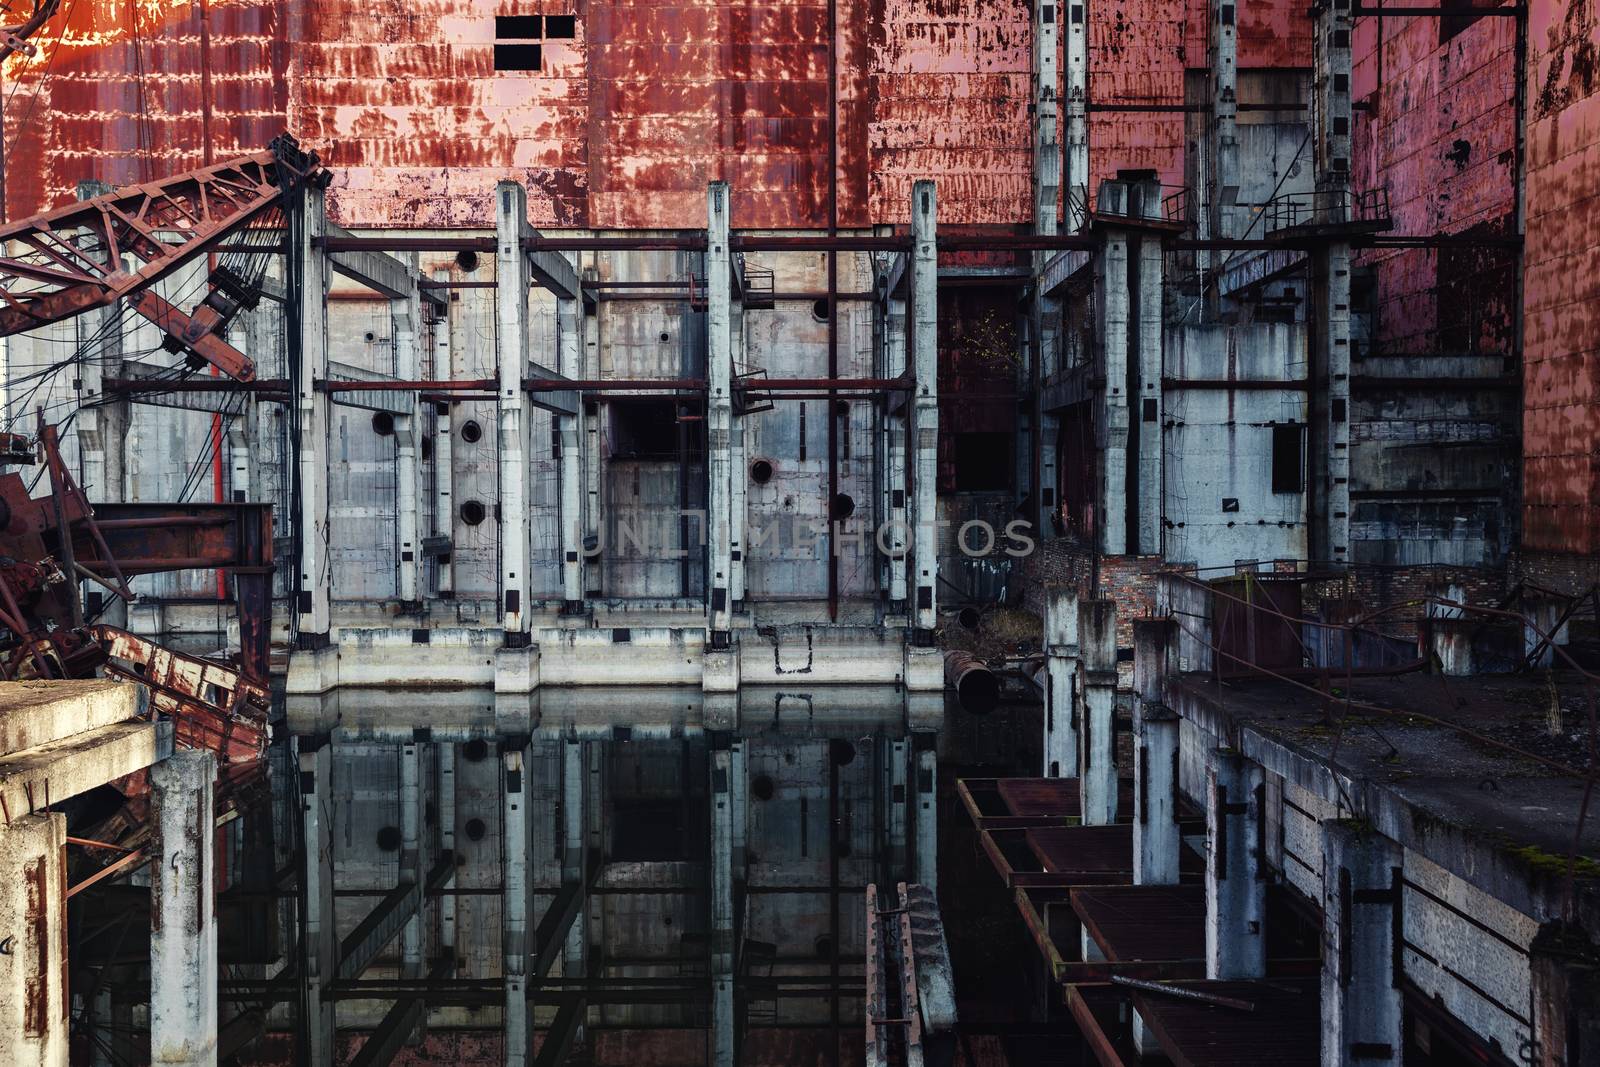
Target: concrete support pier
[
  {"x": 1097, "y": 747},
  {"x": 33, "y": 925},
  {"x": 183, "y": 918},
  {"x": 321, "y": 938},
  {"x": 1156, "y": 839},
  {"x": 723, "y": 919},
  {"x": 1063, "y": 671},
  {"x": 516, "y": 930},
  {"x": 925, "y": 409},
  {"x": 1361, "y": 1001},
  {"x": 1236, "y": 936}
]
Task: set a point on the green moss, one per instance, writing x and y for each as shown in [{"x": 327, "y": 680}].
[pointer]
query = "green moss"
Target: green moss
[{"x": 1551, "y": 865}]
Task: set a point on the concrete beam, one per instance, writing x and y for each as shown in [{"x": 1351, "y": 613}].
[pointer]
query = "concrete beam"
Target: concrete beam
[
  {"x": 1236, "y": 935},
  {"x": 925, "y": 407},
  {"x": 183, "y": 919},
  {"x": 1076, "y": 93},
  {"x": 719, "y": 412},
  {"x": 312, "y": 588},
  {"x": 897, "y": 428},
  {"x": 553, "y": 270},
  {"x": 406, "y": 316},
  {"x": 512, "y": 280},
  {"x": 1111, "y": 278},
  {"x": 33, "y": 925},
  {"x": 35, "y": 778},
  {"x": 570, "y": 323},
  {"x": 1223, "y": 193},
  {"x": 380, "y": 272},
  {"x": 1361, "y": 1000},
  {"x": 437, "y": 422},
  {"x": 36, "y": 713},
  {"x": 1147, "y": 401}
]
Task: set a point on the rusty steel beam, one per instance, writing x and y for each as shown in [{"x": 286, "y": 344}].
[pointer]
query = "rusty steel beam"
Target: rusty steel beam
[
  {"x": 195, "y": 332},
  {"x": 73, "y": 259},
  {"x": 14, "y": 38}
]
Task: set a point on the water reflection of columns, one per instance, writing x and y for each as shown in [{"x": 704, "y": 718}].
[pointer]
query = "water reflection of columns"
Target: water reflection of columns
[
  {"x": 728, "y": 805},
  {"x": 514, "y": 920},
  {"x": 927, "y": 858},
  {"x": 318, "y": 930}
]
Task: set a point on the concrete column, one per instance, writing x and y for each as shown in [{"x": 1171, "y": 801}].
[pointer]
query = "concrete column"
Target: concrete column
[
  {"x": 183, "y": 917},
  {"x": 413, "y": 863},
  {"x": 1097, "y": 748},
  {"x": 927, "y": 858},
  {"x": 925, "y": 406},
  {"x": 896, "y": 537},
  {"x": 512, "y": 281},
  {"x": 314, "y": 592},
  {"x": 738, "y": 470},
  {"x": 447, "y": 843},
  {"x": 1156, "y": 839},
  {"x": 593, "y": 475},
  {"x": 321, "y": 955},
  {"x": 570, "y": 324},
  {"x": 1152, "y": 334},
  {"x": 1151, "y": 648},
  {"x": 33, "y": 931},
  {"x": 719, "y": 409},
  {"x": 896, "y": 810},
  {"x": 1224, "y": 185},
  {"x": 1076, "y": 92},
  {"x": 1063, "y": 681},
  {"x": 1111, "y": 281},
  {"x": 444, "y": 509},
  {"x": 1046, "y": 140},
  {"x": 723, "y": 1053},
  {"x": 516, "y": 926},
  {"x": 1236, "y": 937},
  {"x": 1361, "y": 1002},
  {"x": 574, "y": 860},
  {"x": 407, "y": 325}
]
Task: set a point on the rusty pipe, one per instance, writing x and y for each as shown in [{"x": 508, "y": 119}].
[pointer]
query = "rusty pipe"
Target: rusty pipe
[{"x": 977, "y": 689}]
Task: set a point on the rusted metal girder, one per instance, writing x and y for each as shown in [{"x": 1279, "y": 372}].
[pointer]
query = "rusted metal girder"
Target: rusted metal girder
[
  {"x": 14, "y": 38},
  {"x": 95, "y": 252}
]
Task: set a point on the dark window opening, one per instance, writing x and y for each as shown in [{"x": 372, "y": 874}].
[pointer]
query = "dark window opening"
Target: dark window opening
[
  {"x": 560, "y": 27},
  {"x": 983, "y": 462},
  {"x": 519, "y": 27},
  {"x": 646, "y": 427},
  {"x": 518, "y": 57},
  {"x": 647, "y": 830},
  {"x": 1289, "y": 458}
]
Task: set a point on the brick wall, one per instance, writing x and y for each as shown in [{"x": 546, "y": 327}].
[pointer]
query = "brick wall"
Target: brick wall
[{"x": 1128, "y": 580}]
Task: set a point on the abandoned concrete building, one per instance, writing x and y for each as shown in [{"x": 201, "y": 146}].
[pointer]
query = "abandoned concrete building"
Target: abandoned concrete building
[{"x": 889, "y": 532}]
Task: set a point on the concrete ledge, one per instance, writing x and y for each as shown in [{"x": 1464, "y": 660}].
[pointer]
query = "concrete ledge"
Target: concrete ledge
[
  {"x": 37, "y": 777},
  {"x": 35, "y": 713}
]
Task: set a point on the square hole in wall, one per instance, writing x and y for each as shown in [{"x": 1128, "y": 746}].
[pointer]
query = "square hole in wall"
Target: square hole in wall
[
  {"x": 518, "y": 57},
  {"x": 983, "y": 462},
  {"x": 1289, "y": 458}
]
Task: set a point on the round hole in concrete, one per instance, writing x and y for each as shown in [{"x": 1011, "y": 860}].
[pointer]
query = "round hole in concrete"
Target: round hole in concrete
[
  {"x": 473, "y": 512},
  {"x": 968, "y": 617},
  {"x": 844, "y": 506},
  {"x": 467, "y": 260},
  {"x": 370, "y": 337},
  {"x": 761, "y": 471},
  {"x": 471, "y": 432},
  {"x": 819, "y": 310},
  {"x": 476, "y": 751},
  {"x": 475, "y": 829},
  {"x": 665, "y": 337},
  {"x": 383, "y": 424},
  {"x": 389, "y": 839},
  {"x": 842, "y": 752},
  {"x": 761, "y": 787}
]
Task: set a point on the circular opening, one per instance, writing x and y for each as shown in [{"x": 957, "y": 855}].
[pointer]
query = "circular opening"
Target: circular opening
[
  {"x": 844, "y": 506},
  {"x": 389, "y": 839},
  {"x": 842, "y": 752},
  {"x": 761, "y": 787},
  {"x": 665, "y": 336},
  {"x": 819, "y": 310},
  {"x": 666, "y": 920},
  {"x": 475, "y": 829},
  {"x": 382, "y": 423},
  {"x": 824, "y": 947},
  {"x": 476, "y": 751},
  {"x": 370, "y": 336},
  {"x": 978, "y": 692},
  {"x": 968, "y": 617},
  {"x": 467, "y": 260},
  {"x": 472, "y": 512},
  {"x": 761, "y": 472},
  {"x": 841, "y": 408},
  {"x": 471, "y": 432}
]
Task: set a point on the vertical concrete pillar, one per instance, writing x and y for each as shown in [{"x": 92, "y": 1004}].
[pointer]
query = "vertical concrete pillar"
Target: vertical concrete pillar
[
  {"x": 1046, "y": 140},
  {"x": 1152, "y": 333},
  {"x": 1097, "y": 747},
  {"x": 925, "y": 406},
  {"x": 406, "y": 316},
  {"x": 1156, "y": 839},
  {"x": 412, "y": 862},
  {"x": 1111, "y": 283},
  {"x": 1361, "y": 1002},
  {"x": 894, "y": 540},
  {"x": 33, "y": 930},
  {"x": 927, "y": 865},
  {"x": 516, "y": 927},
  {"x": 1063, "y": 681},
  {"x": 719, "y": 408},
  {"x": 1076, "y": 92},
  {"x": 723, "y": 1053},
  {"x": 738, "y": 470},
  {"x": 313, "y": 607},
  {"x": 1236, "y": 936},
  {"x": 447, "y": 843},
  {"x": 1151, "y": 648},
  {"x": 512, "y": 281},
  {"x": 896, "y": 775},
  {"x": 574, "y": 856},
  {"x": 593, "y": 476},
  {"x": 1046, "y": 216},
  {"x": 570, "y": 325},
  {"x": 1224, "y": 185},
  {"x": 183, "y": 918},
  {"x": 444, "y": 510},
  {"x": 321, "y": 945}
]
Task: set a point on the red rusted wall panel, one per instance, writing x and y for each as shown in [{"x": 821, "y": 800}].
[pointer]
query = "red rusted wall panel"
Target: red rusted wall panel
[
  {"x": 80, "y": 110},
  {"x": 1561, "y": 334}
]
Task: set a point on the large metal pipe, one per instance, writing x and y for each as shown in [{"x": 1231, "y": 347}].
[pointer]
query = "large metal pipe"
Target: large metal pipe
[{"x": 977, "y": 689}]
